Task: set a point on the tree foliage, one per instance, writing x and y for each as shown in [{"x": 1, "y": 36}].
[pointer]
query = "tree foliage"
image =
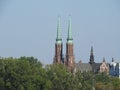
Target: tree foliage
[
  {"x": 27, "y": 73},
  {"x": 24, "y": 73}
]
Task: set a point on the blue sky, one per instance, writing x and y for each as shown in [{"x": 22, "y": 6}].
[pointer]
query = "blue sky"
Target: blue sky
[{"x": 28, "y": 28}]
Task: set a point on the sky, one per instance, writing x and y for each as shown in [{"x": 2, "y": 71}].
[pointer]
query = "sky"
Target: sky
[{"x": 29, "y": 27}]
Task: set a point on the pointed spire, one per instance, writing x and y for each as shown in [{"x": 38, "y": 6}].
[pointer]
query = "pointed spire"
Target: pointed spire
[
  {"x": 112, "y": 59},
  {"x": 58, "y": 39},
  {"x": 103, "y": 59},
  {"x": 91, "y": 56},
  {"x": 91, "y": 50},
  {"x": 69, "y": 37}
]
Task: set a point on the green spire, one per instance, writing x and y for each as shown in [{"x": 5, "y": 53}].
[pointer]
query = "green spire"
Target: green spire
[
  {"x": 58, "y": 39},
  {"x": 69, "y": 37}
]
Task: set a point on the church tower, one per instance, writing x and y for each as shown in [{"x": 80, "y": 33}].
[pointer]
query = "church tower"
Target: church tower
[
  {"x": 58, "y": 45},
  {"x": 91, "y": 56},
  {"x": 70, "y": 60}
]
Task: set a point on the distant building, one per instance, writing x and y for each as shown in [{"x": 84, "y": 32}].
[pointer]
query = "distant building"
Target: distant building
[
  {"x": 58, "y": 58},
  {"x": 92, "y": 65},
  {"x": 69, "y": 59},
  {"x": 104, "y": 67},
  {"x": 114, "y": 68}
]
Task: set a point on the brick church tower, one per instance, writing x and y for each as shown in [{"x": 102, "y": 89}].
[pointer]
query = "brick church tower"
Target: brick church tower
[
  {"x": 58, "y": 45},
  {"x": 70, "y": 60}
]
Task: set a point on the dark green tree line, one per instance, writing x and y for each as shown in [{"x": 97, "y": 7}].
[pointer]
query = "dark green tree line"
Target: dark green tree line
[{"x": 27, "y": 73}]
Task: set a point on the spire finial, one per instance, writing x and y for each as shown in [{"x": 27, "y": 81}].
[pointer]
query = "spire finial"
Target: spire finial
[
  {"x": 91, "y": 49},
  {"x": 103, "y": 59},
  {"x": 69, "y": 37},
  {"x": 112, "y": 59},
  {"x": 58, "y": 39}
]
